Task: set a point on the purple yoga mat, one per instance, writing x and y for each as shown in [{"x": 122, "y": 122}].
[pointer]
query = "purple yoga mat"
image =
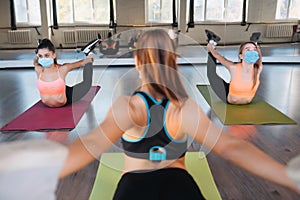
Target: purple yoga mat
[{"x": 41, "y": 117}]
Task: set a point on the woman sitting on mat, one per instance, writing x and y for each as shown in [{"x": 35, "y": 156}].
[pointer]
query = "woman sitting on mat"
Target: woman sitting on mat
[
  {"x": 244, "y": 74},
  {"x": 154, "y": 125},
  {"x": 51, "y": 76}
]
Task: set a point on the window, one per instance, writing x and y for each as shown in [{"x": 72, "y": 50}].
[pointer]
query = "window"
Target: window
[
  {"x": 288, "y": 9},
  {"x": 217, "y": 10},
  {"x": 159, "y": 11},
  {"x": 28, "y": 11},
  {"x": 83, "y": 11}
]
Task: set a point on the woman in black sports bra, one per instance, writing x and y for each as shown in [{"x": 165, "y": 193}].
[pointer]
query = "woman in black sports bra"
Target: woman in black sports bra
[{"x": 154, "y": 124}]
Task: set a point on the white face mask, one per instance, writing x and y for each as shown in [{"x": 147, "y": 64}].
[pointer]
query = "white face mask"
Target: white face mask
[
  {"x": 46, "y": 62},
  {"x": 251, "y": 57}
]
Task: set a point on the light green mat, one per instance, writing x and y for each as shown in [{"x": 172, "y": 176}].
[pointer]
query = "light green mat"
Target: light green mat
[
  {"x": 111, "y": 165},
  {"x": 257, "y": 112}
]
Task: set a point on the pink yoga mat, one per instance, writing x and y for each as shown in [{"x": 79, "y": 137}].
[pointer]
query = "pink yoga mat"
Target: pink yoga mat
[{"x": 41, "y": 117}]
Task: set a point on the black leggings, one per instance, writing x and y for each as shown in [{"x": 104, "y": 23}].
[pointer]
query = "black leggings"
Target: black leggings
[
  {"x": 109, "y": 51},
  {"x": 77, "y": 91},
  {"x": 162, "y": 184},
  {"x": 220, "y": 87}
]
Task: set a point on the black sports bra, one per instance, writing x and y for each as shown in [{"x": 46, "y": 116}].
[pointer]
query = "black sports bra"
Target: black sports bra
[{"x": 155, "y": 144}]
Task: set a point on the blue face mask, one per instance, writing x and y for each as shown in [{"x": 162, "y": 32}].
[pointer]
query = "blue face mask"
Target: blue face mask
[
  {"x": 251, "y": 57},
  {"x": 46, "y": 62}
]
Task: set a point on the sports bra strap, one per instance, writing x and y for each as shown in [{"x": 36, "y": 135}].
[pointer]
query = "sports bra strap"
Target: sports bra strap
[{"x": 150, "y": 100}]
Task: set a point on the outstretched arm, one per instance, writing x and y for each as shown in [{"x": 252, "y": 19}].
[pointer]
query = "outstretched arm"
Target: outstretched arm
[
  {"x": 87, "y": 148},
  {"x": 237, "y": 151},
  {"x": 259, "y": 60},
  {"x": 225, "y": 62},
  {"x": 71, "y": 66}
]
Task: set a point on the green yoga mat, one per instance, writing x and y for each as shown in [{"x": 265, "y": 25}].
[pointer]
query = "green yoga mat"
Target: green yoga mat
[
  {"x": 111, "y": 165},
  {"x": 257, "y": 112}
]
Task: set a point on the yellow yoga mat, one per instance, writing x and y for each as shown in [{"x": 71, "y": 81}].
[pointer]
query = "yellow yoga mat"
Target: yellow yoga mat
[{"x": 111, "y": 165}]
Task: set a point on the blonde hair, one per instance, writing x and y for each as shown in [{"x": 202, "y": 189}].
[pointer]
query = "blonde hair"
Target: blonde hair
[{"x": 156, "y": 59}]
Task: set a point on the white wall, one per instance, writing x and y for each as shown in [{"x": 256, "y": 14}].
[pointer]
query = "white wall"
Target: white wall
[{"x": 131, "y": 13}]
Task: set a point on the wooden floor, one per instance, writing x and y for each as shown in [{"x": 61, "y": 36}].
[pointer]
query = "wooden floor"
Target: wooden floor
[{"x": 279, "y": 86}]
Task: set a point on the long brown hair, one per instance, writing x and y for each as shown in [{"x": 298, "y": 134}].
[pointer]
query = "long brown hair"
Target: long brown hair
[
  {"x": 256, "y": 64},
  {"x": 156, "y": 59}
]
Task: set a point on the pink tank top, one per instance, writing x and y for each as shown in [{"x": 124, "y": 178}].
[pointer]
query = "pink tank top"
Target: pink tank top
[
  {"x": 240, "y": 88},
  {"x": 55, "y": 87}
]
